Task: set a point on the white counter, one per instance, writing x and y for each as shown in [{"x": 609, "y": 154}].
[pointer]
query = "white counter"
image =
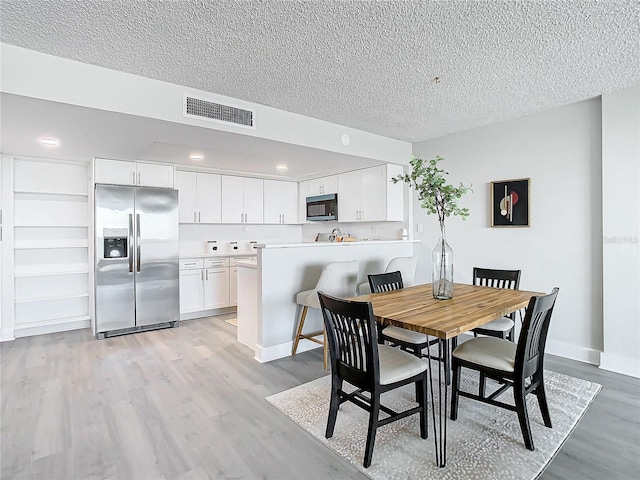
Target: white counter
[
  {"x": 283, "y": 270},
  {"x": 332, "y": 244},
  {"x": 233, "y": 253}
]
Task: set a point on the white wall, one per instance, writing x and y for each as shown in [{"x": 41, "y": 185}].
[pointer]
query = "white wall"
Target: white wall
[
  {"x": 560, "y": 151},
  {"x": 621, "y": 229}
]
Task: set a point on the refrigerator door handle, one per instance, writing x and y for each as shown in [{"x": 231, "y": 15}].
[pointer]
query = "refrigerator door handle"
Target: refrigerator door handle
[
  {"x": 130, "y": 243},
  {"x": 138, "y": 242}
]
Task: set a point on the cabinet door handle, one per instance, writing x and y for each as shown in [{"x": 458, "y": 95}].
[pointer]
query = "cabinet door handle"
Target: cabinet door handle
[
  {"x": 202, "y": 275},
  {"x": 133, "y": 178},
  {"x": 198, "y": 217},
  {"x": 207, "y": 274},
  {"x": 191, "y": 263},
  {"x": 138, "y": 178},
  {"x": 194, "y": 217},
  {"x": 283, "y": 218}
]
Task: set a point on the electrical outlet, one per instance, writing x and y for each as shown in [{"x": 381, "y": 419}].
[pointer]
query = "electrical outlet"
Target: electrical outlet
[{"x": 420, "y": 227}]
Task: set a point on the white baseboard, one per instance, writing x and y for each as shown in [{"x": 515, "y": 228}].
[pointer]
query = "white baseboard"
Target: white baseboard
[
  {"x": 273, "y": 352},
  {"x": 58, "y": 327},
  {"x": 573, "y": 352},
  {"x": 6, "y": 336},
  {"x": 207, "y": 313},
  {"x": 620, "y": 364}
]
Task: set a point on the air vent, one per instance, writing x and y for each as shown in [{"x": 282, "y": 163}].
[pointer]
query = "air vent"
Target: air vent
[{"x": 216, "y": 112}]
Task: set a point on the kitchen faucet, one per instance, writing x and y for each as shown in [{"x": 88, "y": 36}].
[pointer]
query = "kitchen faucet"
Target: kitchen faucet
[{"x": 333, "y": 236}]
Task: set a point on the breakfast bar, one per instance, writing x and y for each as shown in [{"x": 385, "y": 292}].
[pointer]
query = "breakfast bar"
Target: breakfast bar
[{"x": 266, "y": 302}]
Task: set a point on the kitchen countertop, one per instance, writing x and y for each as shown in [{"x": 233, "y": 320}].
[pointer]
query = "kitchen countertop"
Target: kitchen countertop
[
  {"x": 331, "y": 244},
  {"x": 247, "y": 263},
  {"x": 218, "y": 254}
]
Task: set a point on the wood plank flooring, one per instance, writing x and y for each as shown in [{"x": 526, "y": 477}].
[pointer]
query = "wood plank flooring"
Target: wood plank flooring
[{"x": 188, "y": 403}]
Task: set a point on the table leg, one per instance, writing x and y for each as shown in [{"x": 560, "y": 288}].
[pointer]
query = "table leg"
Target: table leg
[{"x": 440, "y": 420}]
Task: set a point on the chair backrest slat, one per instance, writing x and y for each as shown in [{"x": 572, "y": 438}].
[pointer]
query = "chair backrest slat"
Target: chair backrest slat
[
  {"x": 533, "y": 335},
  {"x": 488, "y": 277},
  {"x": 352, "y": 337},
  {"x": 385, "y": 282}
]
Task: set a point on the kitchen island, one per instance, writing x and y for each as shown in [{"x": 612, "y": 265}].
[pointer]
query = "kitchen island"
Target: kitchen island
[{"x": 267, "y": 309}]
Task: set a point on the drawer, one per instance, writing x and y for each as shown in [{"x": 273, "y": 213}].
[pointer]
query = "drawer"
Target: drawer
[
  {"x": 234, "y": 260},
  {"x": 190, "y": 263},
  {"x": 216, "y": 262}
]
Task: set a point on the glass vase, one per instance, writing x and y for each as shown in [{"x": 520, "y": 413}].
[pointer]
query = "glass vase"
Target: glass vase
[{"x": 442, "y": 275}]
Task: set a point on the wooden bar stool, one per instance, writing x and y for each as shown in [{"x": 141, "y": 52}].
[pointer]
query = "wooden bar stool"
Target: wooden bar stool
[{"x": 338, "y": 279}]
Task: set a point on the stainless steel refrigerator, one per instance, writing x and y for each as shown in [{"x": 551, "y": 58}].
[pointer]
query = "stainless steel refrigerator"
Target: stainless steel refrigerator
[{"x": 136, "y": 276}]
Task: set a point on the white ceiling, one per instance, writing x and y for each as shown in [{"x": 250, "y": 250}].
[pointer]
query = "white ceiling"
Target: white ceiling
[{"x": 410, "y": 70}]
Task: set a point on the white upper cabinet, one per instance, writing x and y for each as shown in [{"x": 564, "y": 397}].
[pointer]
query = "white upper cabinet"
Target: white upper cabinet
[
  {"x": 368, "y": 195},
  {"x": 200, "y": 197},
  {"x": 118, "y": 172},
  {"x": 280, "y": 202},
  {"x": 242, "y": 200},
  {"x": 323, "y": 186}
]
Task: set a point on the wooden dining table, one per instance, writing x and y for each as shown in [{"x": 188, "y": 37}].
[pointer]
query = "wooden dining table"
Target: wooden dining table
[{"x": 415, "y": 308}]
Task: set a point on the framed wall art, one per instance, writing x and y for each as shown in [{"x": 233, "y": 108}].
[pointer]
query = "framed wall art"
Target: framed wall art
[{"x": 510, "y": 203}]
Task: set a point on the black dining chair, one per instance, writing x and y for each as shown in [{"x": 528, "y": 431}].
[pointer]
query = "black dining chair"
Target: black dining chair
[
  {"x": 510, "y": 364},
  {"x": 408, "y": 340},
  {"x": 501, "y": 327},
  {"x": 357, "y": 359}
]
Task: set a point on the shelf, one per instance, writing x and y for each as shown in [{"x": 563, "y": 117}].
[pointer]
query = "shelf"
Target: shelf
[
  {"x": 50, "y": 193},
  {"x": 47, "y": 270},
  {"x": 51, "y": 225},
  {"x": 54, "y": 298},
  {"x": 61, "y": 243},
  {"x": 51, "y": 322}
]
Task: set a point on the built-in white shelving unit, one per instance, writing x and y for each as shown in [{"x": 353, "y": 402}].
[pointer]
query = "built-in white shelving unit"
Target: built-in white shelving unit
[{"x": 51, "y": 246}]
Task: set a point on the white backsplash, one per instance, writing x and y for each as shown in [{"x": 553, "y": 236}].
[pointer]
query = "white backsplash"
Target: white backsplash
[
  {"x": 193, "y": 238},
  {"x": 360, "y": 230}
]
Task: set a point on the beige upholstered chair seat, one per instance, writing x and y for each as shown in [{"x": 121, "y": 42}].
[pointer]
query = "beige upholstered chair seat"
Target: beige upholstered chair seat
[
  {"x": 396, "y": 365},
  {"x": 404, "y": 335},
  {"x": 488, "y": 351},
  {"x": 337, "y": 278},
  {"x": 502, "y": 324},
  {"x": 308, "y": 298}
]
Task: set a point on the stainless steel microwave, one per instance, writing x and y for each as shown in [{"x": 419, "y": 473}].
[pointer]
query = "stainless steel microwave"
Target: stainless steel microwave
[{"x": 322, "y": 207}]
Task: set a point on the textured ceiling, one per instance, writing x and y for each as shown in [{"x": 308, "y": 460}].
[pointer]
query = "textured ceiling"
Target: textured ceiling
[{"x": 403, "y": 69}]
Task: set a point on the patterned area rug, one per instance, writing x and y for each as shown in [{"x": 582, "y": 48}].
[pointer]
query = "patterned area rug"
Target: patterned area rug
[{"x": 484, "y": 443}]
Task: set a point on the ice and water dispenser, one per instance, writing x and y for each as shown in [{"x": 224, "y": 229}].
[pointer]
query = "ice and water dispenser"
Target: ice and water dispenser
[{"x": 115, "y": 243}]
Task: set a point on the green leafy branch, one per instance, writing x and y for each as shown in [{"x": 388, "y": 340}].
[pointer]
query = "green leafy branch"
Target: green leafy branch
[{"x": 435, "y": 196}]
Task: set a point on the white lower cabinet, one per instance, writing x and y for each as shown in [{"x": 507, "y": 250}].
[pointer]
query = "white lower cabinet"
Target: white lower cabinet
[
  {"x": 233, "y": 286},
  {"x": 216, "y": 288},
  {"x": 208, "y": 283},
  {"x": 233, "y": 277},
  {"x": 191, "y": 291}
]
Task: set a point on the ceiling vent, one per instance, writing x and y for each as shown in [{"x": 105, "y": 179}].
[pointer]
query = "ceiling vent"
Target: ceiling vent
[{"x": 202, "y": 109}]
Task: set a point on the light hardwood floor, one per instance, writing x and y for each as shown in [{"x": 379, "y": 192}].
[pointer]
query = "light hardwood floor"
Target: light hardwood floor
[{"x": 188, "y": 403}]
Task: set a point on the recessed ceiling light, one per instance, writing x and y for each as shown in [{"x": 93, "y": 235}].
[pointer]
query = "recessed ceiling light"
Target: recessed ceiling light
[
  {"x": 49, "y": 141},
  {"x": 282, "y": 167},
  {"x": 196, "y": 156}
]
